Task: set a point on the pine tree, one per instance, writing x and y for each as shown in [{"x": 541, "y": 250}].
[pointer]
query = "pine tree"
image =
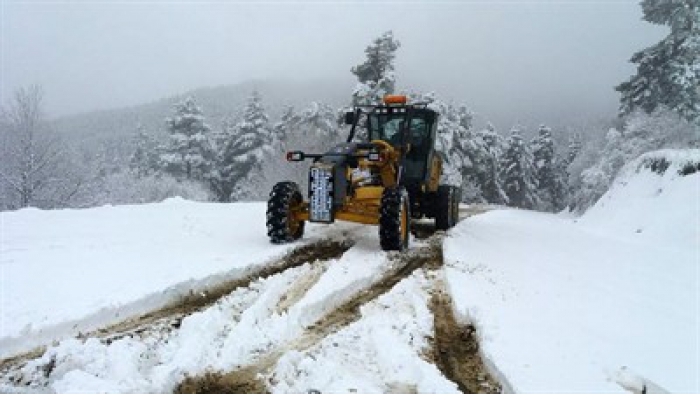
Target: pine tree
[
  {"x": 376, "y": 74},
  {"x": 561, "y": 192},
  {"x": 574, "y": 149},
  {"x": 250, "y": 140},
  {"x": 316, "y": 124},
  {"x": 188, "y": 153},
  {"x": 551, "y": 171},
  {"x": 518, "y": 173},
  {"x": 668, "y": 73},
  {"x": 287, "y": 123},
  {"x": 221, "y": 135},
  {"x": 313, "y": 130},
  {"x": 144, "y": 160},
  {"x": 490, "y": 160},
  {"x": 543, "y": 160},
  {"x": 451, "y": 139},
  {"x": 465, "y": 147},
  {"x": 641, "y": 133}
]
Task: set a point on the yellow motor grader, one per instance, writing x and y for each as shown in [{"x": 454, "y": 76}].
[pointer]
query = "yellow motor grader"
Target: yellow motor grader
[{"x": 387, "y": 180}]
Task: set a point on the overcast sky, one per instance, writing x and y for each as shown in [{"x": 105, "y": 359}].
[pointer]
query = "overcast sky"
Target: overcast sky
[{"x": 517, "y": 60}]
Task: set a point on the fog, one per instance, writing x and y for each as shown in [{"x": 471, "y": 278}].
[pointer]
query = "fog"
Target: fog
[{"x": 511, "y": 61}]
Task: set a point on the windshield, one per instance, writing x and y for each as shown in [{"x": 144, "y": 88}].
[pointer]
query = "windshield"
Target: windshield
[{"x": 387, "y": 127}]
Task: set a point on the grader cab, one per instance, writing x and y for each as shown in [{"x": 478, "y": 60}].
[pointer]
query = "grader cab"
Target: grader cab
[{"x": 387, "y": 180}]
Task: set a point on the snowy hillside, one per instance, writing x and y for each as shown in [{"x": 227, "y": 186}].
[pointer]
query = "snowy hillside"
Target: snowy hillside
[
  {"x": 220, "y": 102},
  {"x": 594, "y": 306},
  {"x": 655, "y": 198}
]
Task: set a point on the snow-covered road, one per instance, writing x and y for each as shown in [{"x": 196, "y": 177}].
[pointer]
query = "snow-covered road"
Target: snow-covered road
[{"x": 366, "y": 313}]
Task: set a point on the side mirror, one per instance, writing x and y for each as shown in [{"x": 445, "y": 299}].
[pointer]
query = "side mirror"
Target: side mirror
[
  {"x": 295, "y": 156},
  {"x": 350, "y": 118}
]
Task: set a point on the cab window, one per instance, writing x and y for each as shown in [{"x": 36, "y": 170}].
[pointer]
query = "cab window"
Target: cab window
[{"x": 387, "y": 127}]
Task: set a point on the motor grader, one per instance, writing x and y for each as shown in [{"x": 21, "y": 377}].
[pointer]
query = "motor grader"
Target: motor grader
[{"x": 387, "y": 179}]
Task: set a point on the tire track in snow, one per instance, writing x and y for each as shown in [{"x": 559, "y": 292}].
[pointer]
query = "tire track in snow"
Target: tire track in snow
[
  {"x": 318, "y": 251},
  {"x": 456, "y": 348},
  {"x": 247, "y": 378},
  {"x": 300, "y": 288},
  {"x": 169, "y": 318}
]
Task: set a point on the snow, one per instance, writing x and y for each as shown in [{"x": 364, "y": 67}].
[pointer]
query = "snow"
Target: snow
[
  {"x": 562, "y": 306},
  {"x": 380, "y": 352},
  {"x": 250, "y": 325},
  {"x": 607, "y": 302},
  {"x": 205, "y": 340},
  {"x": 66, "y": 271},
  {"x": 660, "y": 208}
]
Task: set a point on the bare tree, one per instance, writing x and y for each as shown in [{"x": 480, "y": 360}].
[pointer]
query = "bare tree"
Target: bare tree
[{"x": 30, "y": 158}]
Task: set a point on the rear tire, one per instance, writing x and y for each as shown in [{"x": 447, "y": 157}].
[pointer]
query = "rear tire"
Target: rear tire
[
  {"x": 281, "y": 225},
  {"x": 395, "y": 219},
  {"x": 446, "y": 207}
]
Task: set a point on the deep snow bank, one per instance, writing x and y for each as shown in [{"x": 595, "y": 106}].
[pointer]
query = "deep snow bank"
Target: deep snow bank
[
  {"x": 65, "y": 271},
  {"x": 561, "y": 309},
  {"x": 655, "y": 197},
  {"x": 605, "y": 303}
]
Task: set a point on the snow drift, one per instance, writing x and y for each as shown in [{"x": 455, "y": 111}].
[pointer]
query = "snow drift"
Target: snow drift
[
  {"x": 606, "y": 303},
  {"x": 655, "y": 197},
  {"x": 70, "y": 271}
]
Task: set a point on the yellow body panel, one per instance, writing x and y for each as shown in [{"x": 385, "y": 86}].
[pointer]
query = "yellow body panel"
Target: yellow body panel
[
  {"x": 435, "y": 173},
  {"x": 357, "y": 218},
  {"x": 369, "y": 193},
  {"x": 355, "y": 210}
]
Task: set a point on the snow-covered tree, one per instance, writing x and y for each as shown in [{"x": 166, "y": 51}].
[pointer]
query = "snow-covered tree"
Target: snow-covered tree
[
  {"x": 315, "y": 125},
  {"x": 188, "y": 153},
  {"x": 288, "y": 122},
  {"x": 668, "y": 73},
  {"x": 313, "y": 130},
  {"x": 145, "y": 157},
  {"x": 640, "y": 133},
  {"x": 467, "y": 159},
  {"x": 489, "y": 159},
  {"x": 518, "y": 173},
  {"x": 466, "y": 148},
  {"x": 574, "y": 148},
  {"x": 561, "y": 192},
  {"x": 452, "y": 140},
  {"x": 36, "y": 167},
  {"x": 550, "y": 171},
  {"x": 220, "y": 135},
  {"x": 249, "y": 141},
  {"x": 376, "y": 74},
  {"x": 595, "y": 180},
  {"x": 543, "y": 161}
]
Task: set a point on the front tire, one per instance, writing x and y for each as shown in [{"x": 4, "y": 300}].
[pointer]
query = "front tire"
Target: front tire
[
  {"x": 395, "y": 219},
  {"x": 282, "y": 226}
]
